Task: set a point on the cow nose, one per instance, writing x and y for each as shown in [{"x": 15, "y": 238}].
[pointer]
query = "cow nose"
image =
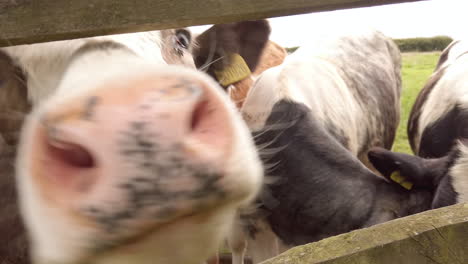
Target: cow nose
[{"x": 112, "y": 132}]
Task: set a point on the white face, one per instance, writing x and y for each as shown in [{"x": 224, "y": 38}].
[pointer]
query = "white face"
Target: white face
[{"x": 126, "y": 159}]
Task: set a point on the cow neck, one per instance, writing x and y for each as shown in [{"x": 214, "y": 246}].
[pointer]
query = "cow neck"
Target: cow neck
[
  {"x": 308, "y": 165},
  {"x": 292, "y": 127}
]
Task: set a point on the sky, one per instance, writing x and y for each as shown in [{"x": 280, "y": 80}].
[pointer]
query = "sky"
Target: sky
[{"x": 418, "y": 19}]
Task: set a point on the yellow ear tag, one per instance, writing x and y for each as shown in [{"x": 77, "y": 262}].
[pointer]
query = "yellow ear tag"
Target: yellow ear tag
[
  {"x": 236, "y": 71},
  {"x": 396, "y": 177}
]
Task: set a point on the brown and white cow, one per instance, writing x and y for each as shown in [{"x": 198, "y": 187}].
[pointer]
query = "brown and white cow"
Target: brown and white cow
[
  {"x": 438, "y": 132},
  {"x": 314, "y": 119},
  {"x": 272, "y": 55},
  {"x": 234, "y": 67},
  {"x": 130, "y": 155}
]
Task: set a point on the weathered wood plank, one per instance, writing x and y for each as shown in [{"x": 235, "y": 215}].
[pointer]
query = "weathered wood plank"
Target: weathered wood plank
[
  {"x": 438, "y": 236},
  {"x": 30, "y": 21}
]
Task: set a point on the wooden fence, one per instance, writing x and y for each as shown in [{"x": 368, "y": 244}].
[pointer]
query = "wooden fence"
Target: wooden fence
[
  {"x": 31, "y": 21},
  {"x": 433, "y": 237}
]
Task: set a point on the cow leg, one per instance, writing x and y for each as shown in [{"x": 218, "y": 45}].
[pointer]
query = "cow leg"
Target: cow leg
[
  {"x": 282, "y": 247},
  {"x": 237, "y": 242},
  {"x": 214, "y": 259},
  {"x": 264, "y": 244}
]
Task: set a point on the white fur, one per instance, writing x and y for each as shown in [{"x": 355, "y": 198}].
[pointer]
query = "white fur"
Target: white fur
[
  {"x": 451, "y": 89},
  {"x": 459, "y": 174},
  {"x": 57, "y": 238},
  {"x": 457, "y": 49},
  {"x": 307, "y": 76},
  {"x": 44, "y": 63}
]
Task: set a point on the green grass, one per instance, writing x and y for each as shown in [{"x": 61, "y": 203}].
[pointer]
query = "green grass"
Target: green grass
[{"x": 416, "y": 69}]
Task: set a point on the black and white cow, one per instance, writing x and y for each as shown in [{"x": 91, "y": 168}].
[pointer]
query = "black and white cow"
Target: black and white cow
[
  {"x": 438, "y": 132},
  {"x": 314, "y": 119},
  {"x": 124, "y": 157},
  {"x": 440, "y": 113}
]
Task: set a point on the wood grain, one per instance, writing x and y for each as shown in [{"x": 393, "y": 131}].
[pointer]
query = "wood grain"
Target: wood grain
[
  {"x": 32, "y": 21},
  {"x": 435, "y": 236}
]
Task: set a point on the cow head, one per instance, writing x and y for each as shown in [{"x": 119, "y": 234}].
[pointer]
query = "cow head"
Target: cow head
[
  {"x": 445, "y": 176},
  {"x": 125, "y": 158},
  {"x": 231, "y": 52}
]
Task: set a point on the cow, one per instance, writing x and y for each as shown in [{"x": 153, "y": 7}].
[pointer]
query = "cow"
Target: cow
[
  {"x": 228, "y": 65},
  {"x": 439, "y": 115},
  {"x": 314, "y": 119},
  {"x": 129, "y": 154},
  {"x": 437, "y": 132},
  {"x": 272, "y": 55}
]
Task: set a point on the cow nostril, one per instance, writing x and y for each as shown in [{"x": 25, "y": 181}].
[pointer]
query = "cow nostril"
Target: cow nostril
[
  {"x": 198, "y": 114},
  {"x": 72, "y": 155}
]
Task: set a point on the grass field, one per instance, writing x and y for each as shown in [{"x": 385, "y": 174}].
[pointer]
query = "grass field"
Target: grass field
[{"x": 416, "y": 69}]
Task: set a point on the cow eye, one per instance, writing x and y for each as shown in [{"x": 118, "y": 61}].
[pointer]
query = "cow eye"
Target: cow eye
[{"x": 182, "y": 40}]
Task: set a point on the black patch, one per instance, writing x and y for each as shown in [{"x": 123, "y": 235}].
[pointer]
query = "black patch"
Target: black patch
[
  {"x": 439, "y": 138},
  {"x": 322, "y": 183},
  {"x": 323, "y": 189},
  {"x": 247, "y": 38},
  {"x": 454, "y": 119},
  {"x": 89, "y": 107},
  {"x": 416, "y": 110},
  {"x": 445, "y": 194}
]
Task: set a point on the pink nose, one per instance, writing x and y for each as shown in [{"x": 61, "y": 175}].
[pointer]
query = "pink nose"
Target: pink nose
[{"x": 150, "y": 148}]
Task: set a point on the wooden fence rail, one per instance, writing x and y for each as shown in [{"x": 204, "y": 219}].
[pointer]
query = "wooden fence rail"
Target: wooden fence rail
[
  {"x": 31, "y": 21},
  {"x": 432, "y": 237}
]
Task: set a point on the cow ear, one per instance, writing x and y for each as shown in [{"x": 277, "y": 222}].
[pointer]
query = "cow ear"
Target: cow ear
[
  {"x": 230, "y": 52},
  {"x": 406, "y": 170}
]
